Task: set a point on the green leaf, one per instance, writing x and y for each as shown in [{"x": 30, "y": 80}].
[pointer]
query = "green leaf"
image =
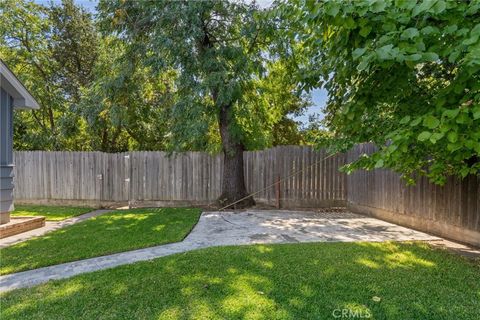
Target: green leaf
[
  {"x": 473, "y": 9},
  {"x": 452, "y": 136},
  {"x": 385, "y": 52},
  {"x": 405, "y": 4},
  {"x": 430, "y": 56},
  {"x": 470, "y": 144},
  {"x": 440, "y": 101},
  {"x": 413, "y": 57},
  {"x": 332, "y": 9},
  {"x": 363, "y": 65},
  {"x": 391, "y": 148},
  {"x": 424, "y": 135},
  {"x": 453, "y": 146},
  {"x": 389, "y": 26},
  {"x": 409, "y": 33},
  {"x": 475, "y": 31},
  {"x": 477, "y": 148},
  {"x": 431, "y": 122},
  {"x": 436, "y": 136},
  {"x": 364, "y": 31},
  {"x": 424, "y": 6},
  {"x": 445, "y": 127},
  {"x": 453, "y": 56},
  {"x": 429, "y": 30},
  {"x": 471, "y": 40},
  {"x": 350, "y": 23},
  {"x": 464, "y": 172},
  {"x": 462, "y": 119},
  {"x": 458, "y": 87},
  {"x": 405, "y": 119},
  {"x": 450, "y": 113},
  {"x": 357, "y": 53},
  {"x": 462, "y": 32},
  {"x": 379, "y": 164},
  {"x": 378, "y": 6},
  {"x": 440, "y": 6},
  {"x": 476, "y": 113},
  {"x": 451, "y": 28},
  {"x": 416, "y": 122}
]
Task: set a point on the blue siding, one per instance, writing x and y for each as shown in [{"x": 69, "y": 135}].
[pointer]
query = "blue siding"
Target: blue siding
[
  {"x": 6, "y": 155},
  {"x": 6, "y": 129}
]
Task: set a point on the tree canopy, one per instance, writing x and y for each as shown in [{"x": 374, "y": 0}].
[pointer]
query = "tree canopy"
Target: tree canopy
[
  {"x": 402, "y": 74},
  {"x": 153, "y": 75},
  {"x": 99, "y": 92},
  {"x": 227, "y": 76},
  {"x": 52, "y": 49}
]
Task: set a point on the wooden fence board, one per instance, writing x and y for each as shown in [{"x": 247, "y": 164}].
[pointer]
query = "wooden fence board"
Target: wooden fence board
[
  {"x": 455, "y": 204},
  {"x": 195, "y": 177},
  {"x": 185, "y": 177}
]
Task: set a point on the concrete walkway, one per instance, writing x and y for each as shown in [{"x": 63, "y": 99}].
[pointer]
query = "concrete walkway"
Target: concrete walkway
[
  {"x": 49, "y": 226},
  {"x": 228, "y": 228}
]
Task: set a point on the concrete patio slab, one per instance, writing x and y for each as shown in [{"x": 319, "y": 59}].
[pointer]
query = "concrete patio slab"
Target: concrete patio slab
[{"x": 230, "y": 228}]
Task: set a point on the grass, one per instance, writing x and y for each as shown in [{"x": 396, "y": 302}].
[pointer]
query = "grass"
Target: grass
[
  {"x": 113, "y": 232},
  {"x": 288, "y": 281},
  {"x": 51, "y": 213}
]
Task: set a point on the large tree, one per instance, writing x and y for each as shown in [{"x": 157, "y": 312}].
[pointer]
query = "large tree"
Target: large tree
[
  {"x": 402, "y": 74},
  {"x": 53, "y": 50},
  {"x": 106, "y": 94},
  {"x": 218, "y": 49},
  {"x": 123, "y": 105}
]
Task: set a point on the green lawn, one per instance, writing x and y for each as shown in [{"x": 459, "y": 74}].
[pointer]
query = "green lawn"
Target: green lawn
[
  {"x": 51, "y": 213},
  {"x": 291, "y": 281},
  {"x": 117, "y": 231}
]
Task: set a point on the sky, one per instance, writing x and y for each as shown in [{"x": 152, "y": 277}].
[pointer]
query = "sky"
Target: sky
[
  {"x": 319, "y": 96},
  {"x": 319, "y": 99}
]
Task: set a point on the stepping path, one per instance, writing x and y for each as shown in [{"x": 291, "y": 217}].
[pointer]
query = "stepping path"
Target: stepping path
[
  {"x": 49, "y": 226},
  {"x": 229, "y": 228}
]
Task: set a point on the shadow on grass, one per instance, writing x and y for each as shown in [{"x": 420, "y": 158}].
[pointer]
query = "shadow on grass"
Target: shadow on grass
[
  {"x": 109, "y": 233},
  {"x": 291, "y": 281}
]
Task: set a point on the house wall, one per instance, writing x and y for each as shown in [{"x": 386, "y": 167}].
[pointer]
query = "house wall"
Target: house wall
[{"x": 6, "y": 156}]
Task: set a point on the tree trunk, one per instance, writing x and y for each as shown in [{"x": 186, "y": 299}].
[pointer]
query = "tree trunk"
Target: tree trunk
[{"x": 233, "y": 184}]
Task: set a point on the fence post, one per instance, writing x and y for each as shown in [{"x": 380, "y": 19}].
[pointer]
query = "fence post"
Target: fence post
[
  {"x": 278, "y": 191},
  {"x": 127, "y": 185}
]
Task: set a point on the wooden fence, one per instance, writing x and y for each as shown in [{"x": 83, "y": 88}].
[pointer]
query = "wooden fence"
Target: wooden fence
[
  {"x": 452, "y": 211},
  {"x": 178, "y": 178},
  {"x": 194, "y": 178},
  {"x": 93, "y": 176}
]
